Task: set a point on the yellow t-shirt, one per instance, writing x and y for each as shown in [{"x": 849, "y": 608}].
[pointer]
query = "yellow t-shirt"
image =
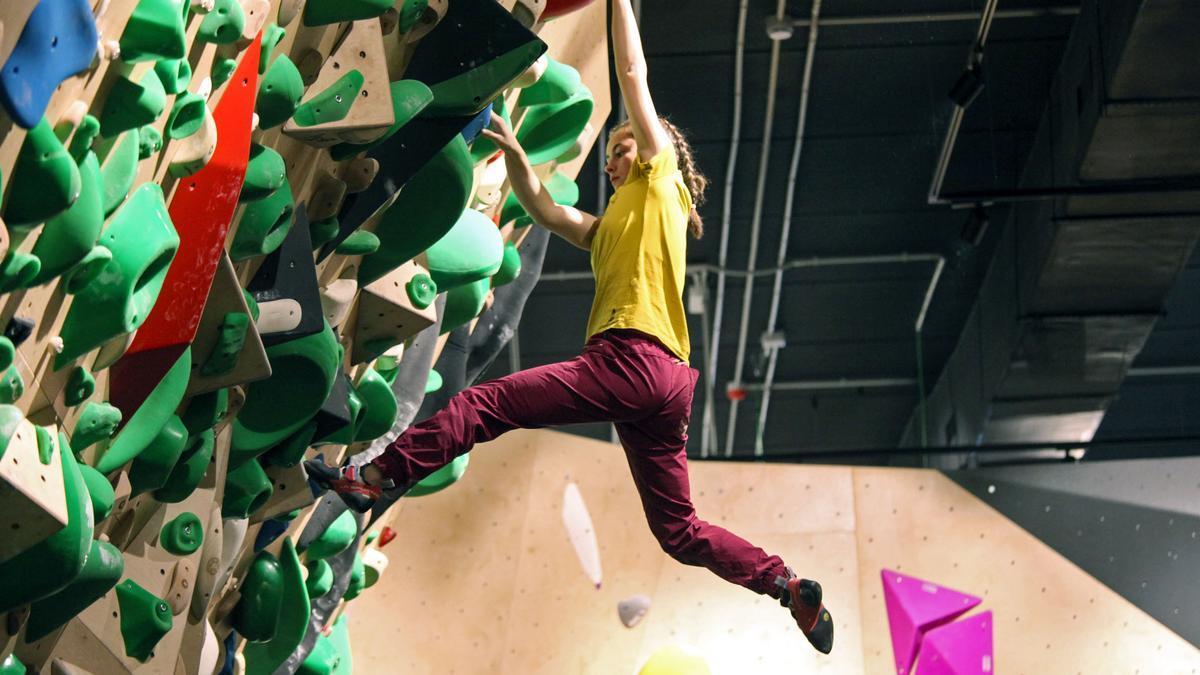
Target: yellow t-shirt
[{"x": 639, "y": 255}]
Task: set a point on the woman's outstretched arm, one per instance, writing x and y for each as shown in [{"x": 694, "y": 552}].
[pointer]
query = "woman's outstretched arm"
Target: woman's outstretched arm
[
  {"x": 630, "y": 64},
  {"x": 576, "y": 226}
]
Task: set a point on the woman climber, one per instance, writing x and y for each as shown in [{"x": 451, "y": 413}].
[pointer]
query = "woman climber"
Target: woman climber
[{"x": 633, "y": 370}]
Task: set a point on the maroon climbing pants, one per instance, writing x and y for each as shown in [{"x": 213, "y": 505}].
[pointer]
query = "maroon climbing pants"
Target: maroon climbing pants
[{"x": 624, "y": 377}]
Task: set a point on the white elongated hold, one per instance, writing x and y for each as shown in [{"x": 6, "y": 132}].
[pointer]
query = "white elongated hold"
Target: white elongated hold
[
  {"x": 533, "y": 73},
  {"x": 336, "y": 299},
  {"x": 210, "y": 651},
  {"x": 204, "y": 90},
  {"x": 233, "y": 535},
  {"x": 491, "y": 184},
  {"x": 631, "y": 610},
  {"x": 578, "y": 523},
  {"x": 278, "y": 316},
  {"x": 210, "y": 565},
  {"x": 375, "y": 563}
]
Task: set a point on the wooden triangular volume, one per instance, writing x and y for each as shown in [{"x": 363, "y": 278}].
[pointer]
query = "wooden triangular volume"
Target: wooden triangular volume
[
  {"x": 387, "y": 313},
  {"x": 350, "y": 102}
]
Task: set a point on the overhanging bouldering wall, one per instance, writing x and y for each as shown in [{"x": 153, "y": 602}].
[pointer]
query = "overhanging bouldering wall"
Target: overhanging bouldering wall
[
  {"x": 224, "y": 222},
  {"x": 491, "y": 584}
]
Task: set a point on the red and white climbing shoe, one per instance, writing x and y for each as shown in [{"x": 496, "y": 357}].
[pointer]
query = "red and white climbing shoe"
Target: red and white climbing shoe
[
  {"x": 346, "y": 481},
  {"x": 803, "y": 598}
]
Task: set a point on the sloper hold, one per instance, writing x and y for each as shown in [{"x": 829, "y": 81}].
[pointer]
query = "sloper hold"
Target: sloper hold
[
  {"x": 323, "y": 12},
  {"x": 442, "y": 478},
  {"x": 223, "y": 24},
  {"x": 427, "y": 208},
  {"x": 45, "y": 180},
  {"x": 156, "y": 31},
  {"x": 145, "y": 619},
  {"x": 464, "y": 303},
  {"x": 204, "y": 411},
  {"x": 333, "y": 539},
  {"x": 961, "y": 647},
  {"x": 510, "y": 266},
  {"x": 470, "y": 251},
  {"x": 100, "y": 491},
  {"x": 58, "y": 40},
  {"x": 350, "y": 100},
  {"x": 155, "y": 412},
  {"x": 175, "y": 75},
  {"x": 409, "y": 98},
  {"x": 264, "y": 224},
  {"x": 472, "y": 55},
  {"x": 555, "y": 85},
  {"x": 915, "y": 606},
  {"x": 80, "y": 386},
  {"x": 189, "y": 470},
  {"x": 359, "y": 243},
  {"x": 550, "y": 130},
  {"x": 51, "y": 564},
  {"x": 68, "y": 237},
  {"x": 294, "y": 610},
  {"x": 101, "y": 571},
  {"x": 247, "y": 489},
  {"x": 256, "y": 615},
  {"x": 231, "y": 339},
  {"x": 119, "y": 171},
  {"x": 279, "y": 93},
  {"x": 153, "y": 465},
  {"x": 358, "y": 579},
  {"x": 96, "y": 422},
  {"x": 287, "y": 282},
  {"x": 265, "y": 173},
  {"x": 131, "y": 105},
  {"x": 193, "y": 152},
  {"x": 143, "y": 243},
  {"x": 200, "y": 209}
]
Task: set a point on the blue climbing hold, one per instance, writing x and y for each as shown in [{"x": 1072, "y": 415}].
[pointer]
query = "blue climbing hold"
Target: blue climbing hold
[
  {"x": 478, "y": 124},
  {"x": 58, "y": 41}
]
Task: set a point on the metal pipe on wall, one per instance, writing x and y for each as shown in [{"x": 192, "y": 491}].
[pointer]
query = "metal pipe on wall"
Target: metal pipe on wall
[
  {"x": 786, "y": 225},
  {"x": 756, "y": 225},
  {"x": 709, "y": 430}
]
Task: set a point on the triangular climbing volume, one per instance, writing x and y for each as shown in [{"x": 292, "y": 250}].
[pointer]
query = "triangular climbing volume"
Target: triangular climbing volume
[
  {"x": 959, "y": 648},
  {"x": 915, "y": 606}
]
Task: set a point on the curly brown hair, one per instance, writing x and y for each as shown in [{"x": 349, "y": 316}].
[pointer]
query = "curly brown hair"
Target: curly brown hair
[{"x": 695, "y": 181}]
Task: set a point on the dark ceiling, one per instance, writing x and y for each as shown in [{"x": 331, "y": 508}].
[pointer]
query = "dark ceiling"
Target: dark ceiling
[{"x": 877, "y": 114}]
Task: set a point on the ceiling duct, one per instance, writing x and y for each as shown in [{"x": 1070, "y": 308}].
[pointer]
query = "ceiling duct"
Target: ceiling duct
[{"x": 1078, "y": 280}]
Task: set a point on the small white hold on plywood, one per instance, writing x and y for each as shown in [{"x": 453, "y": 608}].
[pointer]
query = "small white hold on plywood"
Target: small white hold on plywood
[{"x": 33, "y": 503}]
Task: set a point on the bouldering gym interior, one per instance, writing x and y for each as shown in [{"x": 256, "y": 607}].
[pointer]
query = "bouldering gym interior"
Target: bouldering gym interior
[{"x": 266, "y": 398}]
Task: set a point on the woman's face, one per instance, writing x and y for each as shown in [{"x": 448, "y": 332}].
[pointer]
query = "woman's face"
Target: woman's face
[{"x": 622, "y": 150}]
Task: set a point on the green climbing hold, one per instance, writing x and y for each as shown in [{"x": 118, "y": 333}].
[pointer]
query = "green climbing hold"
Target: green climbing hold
[
  {"x": 120, "y": 170},
  {"x": 101, "y": 571},
  {"x": 272, "y": 35},
  {"x": 380, "y": 406},
  {"x": 11, "y": 665},
  {"x": 358, "y": 578},
  {"x": 264, "y": 224},
  {"x": 203, "y": 411},
  {"x": 18, "y": 270},
  {"x": 10, "y": 418},
  {"x": 45, "y": 445},
  {"x": 550, "y": 130},
  {"x": 146, "y": 425},
  {"x": 80, "y": 386},
  {"x": 45, "y": 180},
  {"x": 279, "y": 93},
  {"x": 464, "y": 303},
  {"x": 294, "y": 611},
  {"x": 322, "y": 660},
  {"x": 411, "y": 12},
  {"x": 265, "y": 173},
  {"x": 12, "y": 385},
  {"x": 149, "y": 142},
  {"x": 189, "y": 470},
  {"x": 187, "y": 116},
  {"x": 156, "y": 30},
  {"x": 409, "y": 98},
  {"x": 323, "y": 231},
  {"x": 256, "y": 615},
  {"x": 471, "y": 250},
  {"x": 145, "y": 619},
  {"x": 562, "y": 190},
  {"x": 231, "y": 337},
  {"x": 85, "y": 136},
  {"x": 291, "y": 450},
  {"x": 360, "y": 242},
  {"x": 323, "y": 12},
  {"x": 251, "y": 304},
  {"x": 175, "y": 75},
  {"x": 68, "y": 237},
  {"x": 433, "y": 382},
  {"x": 183, "y": 534},
  {"x": 85, "y": 271},
  {"x": 320, "y": 578},
  {"x": 97, "y": 422},
  {"x": 143, "y": 242},
  {"x": 424, "y": 212},
  {"x": 333, "y": 104},
  {"x": 510, "y": 266},
  {"x": 222, "y": 70},
  {"x": 223, "y": 24},
  {"x": 441, "y": 479},
  {"x": 100, "y": 491},
  {"x": 155, "y": 461},
  {"x": 556, "y": 85},
  {"x": 130, "y": 105},
  {"x": 337, "y": 536},
  {"x": 247, "y": 489},
  {"x": 49, "y": 565},
  {"x": 344, "y": 435},
  {"x": 8, "y": 352}
]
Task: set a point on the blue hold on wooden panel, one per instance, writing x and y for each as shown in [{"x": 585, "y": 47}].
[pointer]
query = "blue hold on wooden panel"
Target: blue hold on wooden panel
[{"x": 58, "y": 41}]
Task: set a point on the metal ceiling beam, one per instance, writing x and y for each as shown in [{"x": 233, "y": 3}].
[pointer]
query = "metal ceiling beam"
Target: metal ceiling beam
[{"x": 941, "y": 17}]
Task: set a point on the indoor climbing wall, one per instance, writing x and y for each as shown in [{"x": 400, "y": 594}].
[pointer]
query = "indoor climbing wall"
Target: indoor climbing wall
[
  {"x": 225, "y": 223},
  {"x": 489, "y": 580}
]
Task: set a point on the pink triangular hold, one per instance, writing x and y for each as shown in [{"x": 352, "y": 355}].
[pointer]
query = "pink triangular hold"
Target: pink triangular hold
[
  {"x": 959, "y": 648},
  {"x": 915, "y": 606}
]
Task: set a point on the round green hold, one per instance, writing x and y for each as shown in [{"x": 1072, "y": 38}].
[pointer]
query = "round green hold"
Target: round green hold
[
  {"x": 256, "y": 615},
  {"x": 336, "y": 537},
  {"x": 187, "y": 115},
  {"x": 80, "y": 386},
  {"x": 265, "y": 173},
  {"x": 100, "y": 491},
  {"x": 97, "y": 422},
  {"x": 11, "y": 665},
  {"x": 510, "y": 266},
  {"x": 12, "y": 385},
  {"x": 222, "y": 70},
  {"x": 183, "y": 535},
  {"x": 247, "y": 489},
  {"x": 150, "y": 142},
  {"x": 323, "y": 231},
  {"x": 433, "y": 382},
  {"x": 360, "y": 242},
  {"x": 421, "y": 290},
  {"x": 8, "y": 352},
  {"x": 223, "y": 24},
  {"x": 320, "y": 578}
]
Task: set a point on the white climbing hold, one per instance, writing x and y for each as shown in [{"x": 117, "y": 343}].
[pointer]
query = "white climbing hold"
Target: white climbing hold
[
  {"x": 578, "y": 523},
  {"x": 109, "y": 50},
  {"x": 254, "y": 121},
  {"x": 56, "y": 343},
  {"x": 205, "y": 89},
  {"x": 203, "y": 6},
  {"x": 631, "y": 610}
]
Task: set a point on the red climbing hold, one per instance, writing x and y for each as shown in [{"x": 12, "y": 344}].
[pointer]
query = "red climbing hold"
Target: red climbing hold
[{"x": 386, "y": 536}]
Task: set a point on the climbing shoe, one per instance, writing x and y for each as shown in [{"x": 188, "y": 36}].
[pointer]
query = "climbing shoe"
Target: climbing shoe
[
  {"x": 346, "y": 481},
  {"x": 803, "y": 598}
]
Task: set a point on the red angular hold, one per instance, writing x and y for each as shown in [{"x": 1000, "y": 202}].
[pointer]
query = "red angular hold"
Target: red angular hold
[
  {"x": 386, "y": 536},
  {"x": 201, "y": 209}
]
